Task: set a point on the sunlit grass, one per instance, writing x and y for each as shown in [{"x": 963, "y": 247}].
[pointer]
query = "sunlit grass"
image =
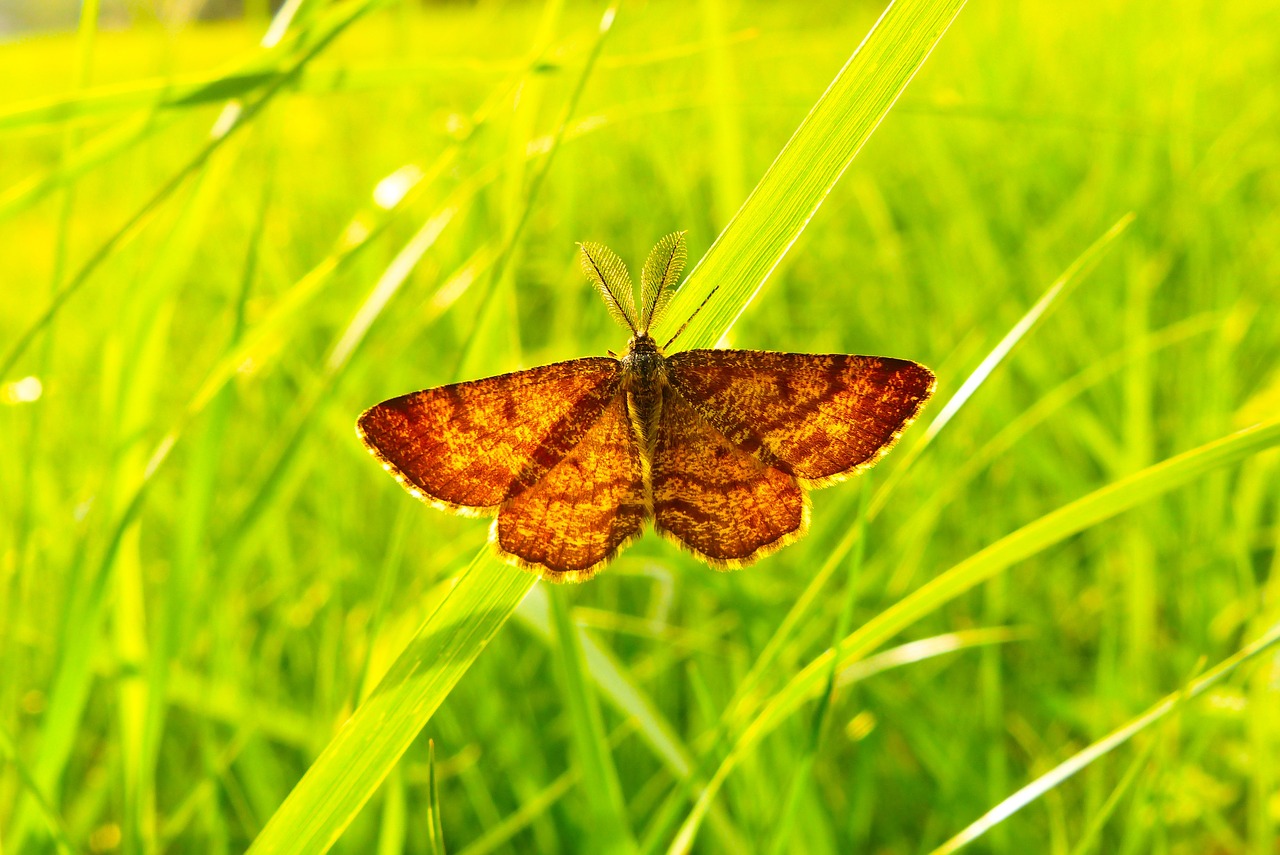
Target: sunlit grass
[{"x": 203, "y": 576}]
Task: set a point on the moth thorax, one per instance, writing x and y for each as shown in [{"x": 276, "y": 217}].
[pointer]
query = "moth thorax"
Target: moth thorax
[{"x": 644, "y": 366}]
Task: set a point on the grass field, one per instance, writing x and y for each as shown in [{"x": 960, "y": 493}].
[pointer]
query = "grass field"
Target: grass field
[{"x": 1053, "y": 605}]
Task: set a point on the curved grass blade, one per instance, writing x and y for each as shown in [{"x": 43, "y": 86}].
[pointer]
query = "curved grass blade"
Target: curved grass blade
[
  {"x": 362, "y": 753},
  {"x": 353, "y": 765},
  {"x": 607, "y": 826},
  {"x": 1070, "y": 519},
  {"x": 1116, "y": 738},
  {"x": 810, "y": 164},
  {"x": 809, "y": 599},
  {"x": 221, "y": 134}
]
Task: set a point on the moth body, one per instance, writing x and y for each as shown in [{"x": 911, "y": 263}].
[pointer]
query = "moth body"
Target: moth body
[{"x": 644, "y": 377}]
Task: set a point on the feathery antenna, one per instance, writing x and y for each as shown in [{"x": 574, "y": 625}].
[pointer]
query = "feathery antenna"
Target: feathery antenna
[
  {"x": 607, "y": 272},
  {"x": 658, "y": 279}
]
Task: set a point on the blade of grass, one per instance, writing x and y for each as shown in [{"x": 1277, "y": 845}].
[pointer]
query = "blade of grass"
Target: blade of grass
[
  {"x": 800, "y": 775},
  {"x": 622, "y": 690},
  {"x": 1061, "y": 287},
  {"x": 435, "y": 830},
  {"x": 241, "y": 117},
  {"x": 1098, "y": 821},
  {"x": 57, "y": 826},
  {"x": 794, "y": 187},
  {"x": 616, "y": 684},
  {"x": 199, "y": 89},
  {"x": 522, "y": 818},
  {"x": 367, "y": 746},
  {"x": 606, "y": 826},
  {"x": 391, "y": 828},
  {"x": 1070, "y": 519},
  {"x": 354, "y": 764},
  {"x": 1116, "y": 738}
]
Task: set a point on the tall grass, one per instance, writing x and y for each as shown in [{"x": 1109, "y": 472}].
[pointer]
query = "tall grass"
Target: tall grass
[{"x": 220, "y": 624}]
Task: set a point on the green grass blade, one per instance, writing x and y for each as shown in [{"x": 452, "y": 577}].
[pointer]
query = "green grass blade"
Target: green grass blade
[
  {"x": 366, "y": 748},
  {"x": 435, "y": 829},
  {"x": 1080, "y": 760},
  {"x": 1032, "y": 538},
  {"x": 140, "y": 217},
  {"x": 616, "y": 685},
  {"x": 1070, "y": 277},
  {"x": 57, "y": 827},
  {"x": 353, "y": 765},
  {"x": 790, "y": 193},
  {"x": 606, "y": 823},
  {"x": 502, "y": 832}
]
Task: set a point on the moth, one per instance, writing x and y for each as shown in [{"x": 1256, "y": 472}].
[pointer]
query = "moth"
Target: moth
[{"x": 716, "y": 447}]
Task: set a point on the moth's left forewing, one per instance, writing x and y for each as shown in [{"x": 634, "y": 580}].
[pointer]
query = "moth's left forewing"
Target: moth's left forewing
[{"x": 818, "y": 417}]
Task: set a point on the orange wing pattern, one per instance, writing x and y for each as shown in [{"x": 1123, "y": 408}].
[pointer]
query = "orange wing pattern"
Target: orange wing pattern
[
  {"x": 583, "y": 511},
  {"x": 815, "y": 417},
  {"x": 716, "y": 499},
  {"x": 471, "y": 446}
]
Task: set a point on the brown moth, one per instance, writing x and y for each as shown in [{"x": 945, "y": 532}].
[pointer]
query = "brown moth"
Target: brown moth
[{"x": 717, "y": 447}]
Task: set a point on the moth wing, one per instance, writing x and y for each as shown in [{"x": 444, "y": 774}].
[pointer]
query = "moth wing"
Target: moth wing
[
  {"x": 469, "y": 447},
  {"x": 817, "y": 417},
  {"x": 585, "y": 509},
  {"x": 716, "y": 499}
]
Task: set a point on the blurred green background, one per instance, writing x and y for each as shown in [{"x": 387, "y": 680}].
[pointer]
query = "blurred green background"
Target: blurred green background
[{"x": 182, "y": 633}]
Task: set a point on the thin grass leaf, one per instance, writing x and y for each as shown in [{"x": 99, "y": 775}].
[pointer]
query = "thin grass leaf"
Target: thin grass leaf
[
  {"x": 1061, "y": 287},
  {"x": 800, "y": 778},
  {"x": 1098, "y": 821},
  {"x": 616, "y": 684},
  {"x": 606, "y": 825},
  {"x": 1072, "y": 275},
  {"x": 241, "y": 117},
  {"x": 790, "y": 193},
  {"x": 381, "y": 729},
  {"x": 55, "y": 823},
  {"x": 1027, "y": 541},
  {"x": 522, "y": 818},
  {"x": 1082, "y": 759},
  {"x": 435, "y": 829},
  {"x": 393, "y": 825}
]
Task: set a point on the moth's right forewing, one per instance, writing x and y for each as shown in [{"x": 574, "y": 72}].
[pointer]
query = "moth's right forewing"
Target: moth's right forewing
[
  {"x": 817, "y": 417},
  {"x": 469, "y": 447}
]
